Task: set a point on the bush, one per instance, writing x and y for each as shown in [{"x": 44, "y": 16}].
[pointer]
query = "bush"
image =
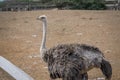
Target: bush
[
  {"x": 2, "y": 4},
  {"x": 95, "y": 6},
  {"x": 82, "y": 4},
  {"x": 65, "y": 5}
]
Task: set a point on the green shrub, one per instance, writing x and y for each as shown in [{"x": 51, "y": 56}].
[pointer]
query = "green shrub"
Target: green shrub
[
  {"x": 95, "y": 6},
  {"x": 82, "y": 4},
  {"x": 2, "y": 4}
]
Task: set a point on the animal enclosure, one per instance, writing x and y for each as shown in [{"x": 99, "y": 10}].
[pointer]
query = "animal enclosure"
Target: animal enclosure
[{"x": 21, "y": 33}]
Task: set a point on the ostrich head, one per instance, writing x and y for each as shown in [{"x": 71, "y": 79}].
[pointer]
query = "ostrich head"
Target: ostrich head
[
  {"x": 42, "y": 18},
  {"x": 43, "y": 49}
]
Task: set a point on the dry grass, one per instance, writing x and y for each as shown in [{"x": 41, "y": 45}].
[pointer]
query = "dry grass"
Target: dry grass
[{"x": 20, "y": 37}]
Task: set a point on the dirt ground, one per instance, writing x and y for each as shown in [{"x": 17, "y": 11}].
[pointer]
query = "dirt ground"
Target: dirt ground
[{"x": 21, "y": 33}]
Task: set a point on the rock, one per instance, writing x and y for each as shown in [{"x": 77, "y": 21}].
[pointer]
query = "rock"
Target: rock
[
  {"x": 108, "y": 51},
  {"x": 102, "y": 78},
  {"x": 79, "y": 34},
  {"x": 34, "y": 35},
  {"x": 45, "y": 67},
  {"x": 30, "y": 56}
]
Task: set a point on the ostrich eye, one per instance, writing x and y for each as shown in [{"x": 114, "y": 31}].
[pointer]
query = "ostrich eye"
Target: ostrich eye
[{"x": 42, "y": 17}]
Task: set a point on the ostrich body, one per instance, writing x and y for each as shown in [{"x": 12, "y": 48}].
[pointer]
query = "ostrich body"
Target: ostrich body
[{"x": 72, "y": 61}]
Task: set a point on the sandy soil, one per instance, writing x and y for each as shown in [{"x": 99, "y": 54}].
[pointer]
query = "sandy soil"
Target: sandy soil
[{"x": 20, "y": 37}]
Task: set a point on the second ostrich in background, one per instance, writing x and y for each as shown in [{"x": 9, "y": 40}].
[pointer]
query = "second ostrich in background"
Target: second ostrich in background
[{"x": 72, "y": 61}]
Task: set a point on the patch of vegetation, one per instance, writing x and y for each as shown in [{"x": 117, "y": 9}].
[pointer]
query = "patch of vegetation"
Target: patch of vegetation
[
  {"x": 81, "y": 4},
  {"x": 2, "y": 4},
  {"x": 68, "y": 4}
]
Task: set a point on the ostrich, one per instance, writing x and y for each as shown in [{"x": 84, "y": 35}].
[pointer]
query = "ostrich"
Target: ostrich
[{"x": 72, "y": 61}]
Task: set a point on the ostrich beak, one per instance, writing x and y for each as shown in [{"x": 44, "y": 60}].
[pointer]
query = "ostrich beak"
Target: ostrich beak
[{"x": 38, "y": 18}]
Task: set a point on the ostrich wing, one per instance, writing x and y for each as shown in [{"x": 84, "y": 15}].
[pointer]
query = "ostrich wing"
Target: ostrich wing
[{"x": 64, "y": 62}]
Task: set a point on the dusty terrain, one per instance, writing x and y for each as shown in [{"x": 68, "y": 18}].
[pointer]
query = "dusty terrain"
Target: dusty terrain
[{"x": 20, "y": 37}]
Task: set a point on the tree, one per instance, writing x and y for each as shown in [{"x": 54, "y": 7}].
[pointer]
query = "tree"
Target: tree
[{"x": 89, "y": 4}]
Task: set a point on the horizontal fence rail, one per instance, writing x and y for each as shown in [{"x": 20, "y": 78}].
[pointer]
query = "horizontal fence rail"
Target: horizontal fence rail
[{"x": 13, "y": 70}]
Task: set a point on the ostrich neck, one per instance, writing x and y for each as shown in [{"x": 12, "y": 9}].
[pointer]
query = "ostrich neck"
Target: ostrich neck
[{"x": 43, "y": 44}]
